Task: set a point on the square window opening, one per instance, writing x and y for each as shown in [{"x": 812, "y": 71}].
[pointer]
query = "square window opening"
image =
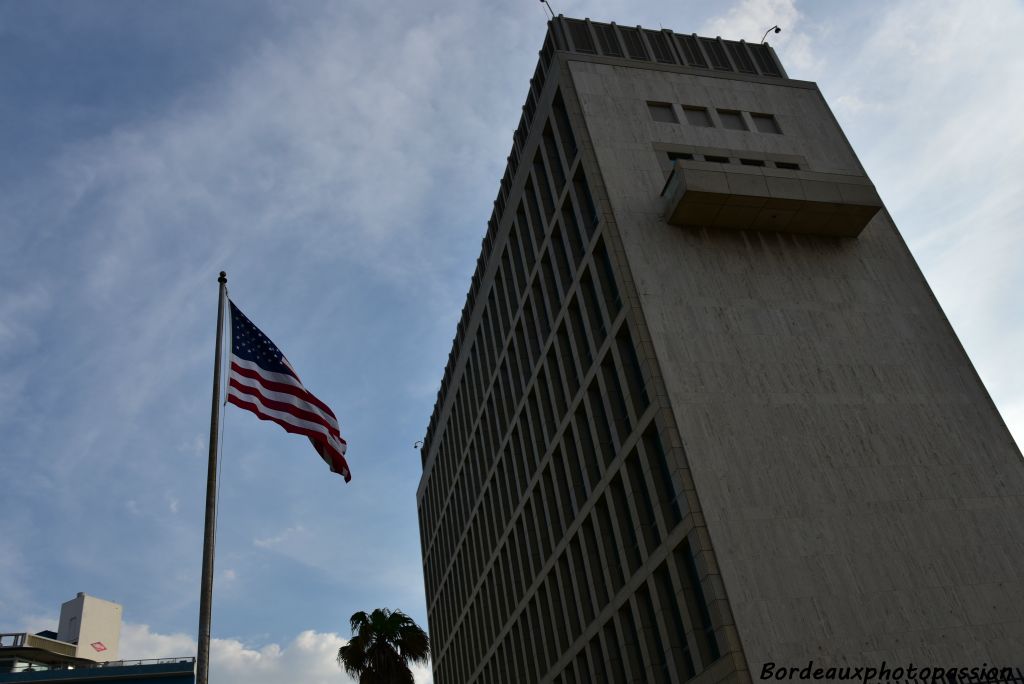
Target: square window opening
[
  {"x": 662, "y": 112},
  {"x": 765, "y": 123},
  {"x": 698, "y": 116},
  {"x": 732, "y": 119}
]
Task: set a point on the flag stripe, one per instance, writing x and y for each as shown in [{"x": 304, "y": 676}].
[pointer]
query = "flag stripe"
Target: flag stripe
[
  {"x": 277, "y": 382},
  {"x": 282, "y": 418},
  {"x": 310, "y": 411},
  {"x": 334, "y": 457},
  {"x": 320, "y": 440},
  {"x": 297, "y": 413},
  {"x": 261, "y": 380}
]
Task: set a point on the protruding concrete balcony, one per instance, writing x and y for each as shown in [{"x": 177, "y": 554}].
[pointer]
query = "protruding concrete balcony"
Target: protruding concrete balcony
[{"x": 700, "y": 193}]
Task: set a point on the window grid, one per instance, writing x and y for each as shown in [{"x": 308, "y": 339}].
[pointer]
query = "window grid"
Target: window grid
[{"x": 547, "y": 440}]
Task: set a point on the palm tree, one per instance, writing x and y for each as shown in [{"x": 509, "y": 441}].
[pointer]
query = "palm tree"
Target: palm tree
[{"x": 383, "y": 646}]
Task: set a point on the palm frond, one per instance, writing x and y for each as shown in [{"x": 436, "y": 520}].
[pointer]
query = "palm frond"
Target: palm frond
[{"x": 383, "y": 645}]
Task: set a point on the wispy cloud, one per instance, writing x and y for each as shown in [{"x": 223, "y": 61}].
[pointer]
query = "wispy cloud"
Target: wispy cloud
[
  {"x": 341, "y": 167},
  {"x": 284, "y": 535},
  {"x": 749, "y": 19},
  {"x": 940, "y": 137},
  {"x": 310, "y": 657}
]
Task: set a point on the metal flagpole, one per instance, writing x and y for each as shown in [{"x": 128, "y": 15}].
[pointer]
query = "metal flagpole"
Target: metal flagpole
[{"x": 206, "y": 590}]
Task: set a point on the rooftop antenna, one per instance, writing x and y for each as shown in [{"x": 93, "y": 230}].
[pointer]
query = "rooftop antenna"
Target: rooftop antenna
[
  {"x": 773, "y": 28},
  {"x": 548, "y": 5}
]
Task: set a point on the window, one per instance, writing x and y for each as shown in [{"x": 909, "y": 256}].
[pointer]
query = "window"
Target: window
[
  {"x": 765, "y": 123},
  {"x": 696, "y": 603},
  {"x": 752, "y": 162},
  {"x": 663, "y": 112},
  {"x": 787, "y": 165},
  {"x": 697, "y": 116},
  {"x": 672, "y": 156},
  {"x": 717, "y": 160},
  {"x": 732, "y": 119}
]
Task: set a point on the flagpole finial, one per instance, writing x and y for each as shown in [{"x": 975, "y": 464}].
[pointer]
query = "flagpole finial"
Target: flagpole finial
[{"x": 223, "y": 277}]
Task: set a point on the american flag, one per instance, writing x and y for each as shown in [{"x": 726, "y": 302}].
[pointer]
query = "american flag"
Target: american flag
[{"x": 262, "y": 381}]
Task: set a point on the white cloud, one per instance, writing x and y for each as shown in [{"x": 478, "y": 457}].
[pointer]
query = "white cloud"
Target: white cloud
[
  {"x": 306, "y": 159},
  {"x": 284, "y": 535},
  {"x": 749, "y": 19},
  {"x": 925, "y": 101},
  {"x": 309, "y": 658},
  {"x": 139, "y": 643},
  {"x": 372, "y": 143},
  {"x": 34, "y": 624}
]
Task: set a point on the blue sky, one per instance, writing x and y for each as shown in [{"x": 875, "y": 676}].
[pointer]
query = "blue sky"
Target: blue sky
[{"x": 339, "y": 160}]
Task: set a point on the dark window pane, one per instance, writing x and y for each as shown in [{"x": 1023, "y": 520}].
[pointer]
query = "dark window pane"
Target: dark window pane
[
  {"x": 564, "y": 128},
  {"x": 554, "y": 159},
  {"x": 697, "y": 116},
  {"x": 765, "y": 123},
  {"x": 663, "y": 112},
  {"x": 696, "y": 603},
  {"x": 732, "y": 119}
]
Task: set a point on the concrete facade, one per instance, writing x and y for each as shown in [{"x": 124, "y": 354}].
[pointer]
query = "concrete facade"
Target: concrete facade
[
  {"x": 702, "y": 411},
  {"x": 93, "y": 625}
]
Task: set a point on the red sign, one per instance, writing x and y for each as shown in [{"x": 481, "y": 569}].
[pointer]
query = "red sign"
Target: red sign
[{"x": 98, "y": 645}]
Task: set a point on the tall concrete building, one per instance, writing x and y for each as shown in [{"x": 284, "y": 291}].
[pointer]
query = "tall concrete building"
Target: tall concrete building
[{"x": 702, "y": 413}]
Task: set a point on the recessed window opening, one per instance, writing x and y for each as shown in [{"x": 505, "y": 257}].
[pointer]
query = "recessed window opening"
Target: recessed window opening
[
  {"x": 765, "y": 123},
  {"x": 752, "y": 162},
  {"x": 718, "y": 160},
  {"x": 663, "y": 112},
  {"x": 787, "y": 165},
  {"x": 732, "y": 119},
  {"x": 672, "y": 156},
  {"x": 697, "y": 116}
]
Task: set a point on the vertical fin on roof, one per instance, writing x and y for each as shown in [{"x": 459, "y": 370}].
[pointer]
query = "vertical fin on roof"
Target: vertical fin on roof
[
  {"x": 579, "y": 33},
  {"x": 691, "y": 51},
  {"x": 740, "y": 57},
  {"x": 661, "y": 47},
  {"x": 716, "y": 53},
  {"x": 765, "y": 62},
  {"x": 634, "y": 43},
  {"x": 608, "y": 40}
]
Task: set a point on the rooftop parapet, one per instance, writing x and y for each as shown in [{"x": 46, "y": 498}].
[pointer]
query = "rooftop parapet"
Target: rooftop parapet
[{"x": 663, "y": 47}]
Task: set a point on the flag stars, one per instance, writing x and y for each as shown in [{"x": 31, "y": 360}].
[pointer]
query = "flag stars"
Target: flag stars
[{"x": 257, "y": 359}]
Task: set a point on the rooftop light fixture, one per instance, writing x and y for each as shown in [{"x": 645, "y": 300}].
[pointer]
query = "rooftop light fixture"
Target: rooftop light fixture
[{"x": 773, "y": 28}]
